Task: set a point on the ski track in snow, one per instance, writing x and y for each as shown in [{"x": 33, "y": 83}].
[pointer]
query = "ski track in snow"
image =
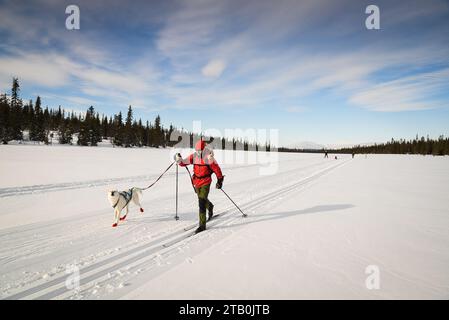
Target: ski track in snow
[{"x": 103, "y": 273}]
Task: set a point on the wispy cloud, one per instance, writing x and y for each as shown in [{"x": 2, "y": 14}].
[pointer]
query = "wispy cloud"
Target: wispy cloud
[
  {"x": 417, "y": 92},
  {"x": 214, "y": 68}
]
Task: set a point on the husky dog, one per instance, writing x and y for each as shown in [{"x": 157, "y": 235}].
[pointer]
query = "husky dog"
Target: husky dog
[{"x": 120, "y": 200}]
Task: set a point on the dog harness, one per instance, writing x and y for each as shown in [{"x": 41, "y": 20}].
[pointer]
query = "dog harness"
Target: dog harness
[{"x": 128, "y": 195}]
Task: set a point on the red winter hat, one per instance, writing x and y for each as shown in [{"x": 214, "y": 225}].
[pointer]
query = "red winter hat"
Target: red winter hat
[{"x": 200, "y": 145}]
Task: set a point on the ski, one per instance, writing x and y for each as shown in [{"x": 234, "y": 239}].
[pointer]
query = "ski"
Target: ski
[
  {"x": 169, "y": 244},
  {"x": 166, "y": 245},
  {"x": 194, "y": 226},
  {"x": 191, "y": 235},
  {"x": 214, "y": 216}
]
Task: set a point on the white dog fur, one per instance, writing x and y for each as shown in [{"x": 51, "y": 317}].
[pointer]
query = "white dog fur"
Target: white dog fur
[{"x": 116, "y": 198}]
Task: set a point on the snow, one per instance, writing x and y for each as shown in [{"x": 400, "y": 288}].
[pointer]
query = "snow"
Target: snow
[{"x": 313, "y": 227}]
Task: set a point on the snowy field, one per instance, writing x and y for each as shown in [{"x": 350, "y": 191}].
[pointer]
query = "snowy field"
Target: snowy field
[{"x": 312, "y": 230}]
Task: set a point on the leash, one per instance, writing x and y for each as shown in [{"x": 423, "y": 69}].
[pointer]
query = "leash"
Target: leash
[
  {"x": 159, "y": 177},
  {"x": 132, "y": 189}
]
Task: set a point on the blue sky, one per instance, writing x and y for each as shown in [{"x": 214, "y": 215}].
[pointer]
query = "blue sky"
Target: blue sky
[{"x": 308, "y": 68}]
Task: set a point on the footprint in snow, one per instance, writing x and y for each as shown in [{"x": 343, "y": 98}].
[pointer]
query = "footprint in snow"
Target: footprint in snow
[{"x": 189, "y": 260}]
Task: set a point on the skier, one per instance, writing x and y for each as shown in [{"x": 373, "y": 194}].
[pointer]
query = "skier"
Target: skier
[
  {"x": 325, "y": 154},
  {"x": 204, "y": 165}
]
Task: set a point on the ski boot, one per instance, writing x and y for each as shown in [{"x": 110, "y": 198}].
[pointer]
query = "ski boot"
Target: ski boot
[{"x": 200, "y": 229}]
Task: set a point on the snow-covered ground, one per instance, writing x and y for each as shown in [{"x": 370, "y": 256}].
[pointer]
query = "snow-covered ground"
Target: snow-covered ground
[{"x": 313, "y": 230}]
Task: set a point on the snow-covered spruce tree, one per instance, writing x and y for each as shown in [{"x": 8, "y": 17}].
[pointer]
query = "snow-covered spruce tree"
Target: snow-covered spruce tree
[
  {"x": 65, "y": 132},
  {"x": 135, "y": 132},
  {"x": 146, "y": 137},
  {"x": 83, "y": 135},
  {"x": 139, "y": 130},
  {"x": 95, "y": 136},
  {"x": 104, "y": 127},
  {"x": 118, "y": 129},
  {"x": 27, "y": 115},
  {"x": 151, "y": 135},
  {"x": 90, "y": 129},
  {"x": 15, "y": 116},
  {"x": 37, "y": 130},
  {"x": 47, "y": 125},
  {"x": 158, "y": 132},
  {"x": 128, "y": 136}
]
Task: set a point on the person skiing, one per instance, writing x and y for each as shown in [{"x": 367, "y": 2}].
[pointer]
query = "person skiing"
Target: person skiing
[{"x": 204, "y": 165}]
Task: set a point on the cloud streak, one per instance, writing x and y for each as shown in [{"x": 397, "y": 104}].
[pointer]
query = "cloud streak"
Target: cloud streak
[{"x": 418, "y": 92}]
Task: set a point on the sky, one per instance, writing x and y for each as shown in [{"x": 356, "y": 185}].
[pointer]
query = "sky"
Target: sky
[{"x": 309, "y": 69}]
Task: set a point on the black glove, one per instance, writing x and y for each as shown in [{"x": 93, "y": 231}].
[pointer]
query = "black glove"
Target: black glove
[
  {"x": 219, "y": 183},
  {"x": 178, "y": 158}
]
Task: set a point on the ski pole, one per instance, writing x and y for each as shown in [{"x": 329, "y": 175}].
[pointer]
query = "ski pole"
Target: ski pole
[
  {"x": 243, "y": 214},
  {"x": 176, "y": 216}
]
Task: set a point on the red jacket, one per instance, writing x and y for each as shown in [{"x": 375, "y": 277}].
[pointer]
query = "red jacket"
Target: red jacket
[{"x": 203, "y": 167}]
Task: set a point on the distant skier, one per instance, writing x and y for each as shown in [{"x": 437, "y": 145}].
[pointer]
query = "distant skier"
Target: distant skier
[
  {"x": 353, "y": 154},
  {"x": 325, "y": 154},
  {"x": 204, "y": 165}
]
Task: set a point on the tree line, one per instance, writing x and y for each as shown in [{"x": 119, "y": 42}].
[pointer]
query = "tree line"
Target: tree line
[
  {"x": 41, "y": 123},
  {"x": 44, "y": 124},
  {"x": 424, "y": 146}
]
